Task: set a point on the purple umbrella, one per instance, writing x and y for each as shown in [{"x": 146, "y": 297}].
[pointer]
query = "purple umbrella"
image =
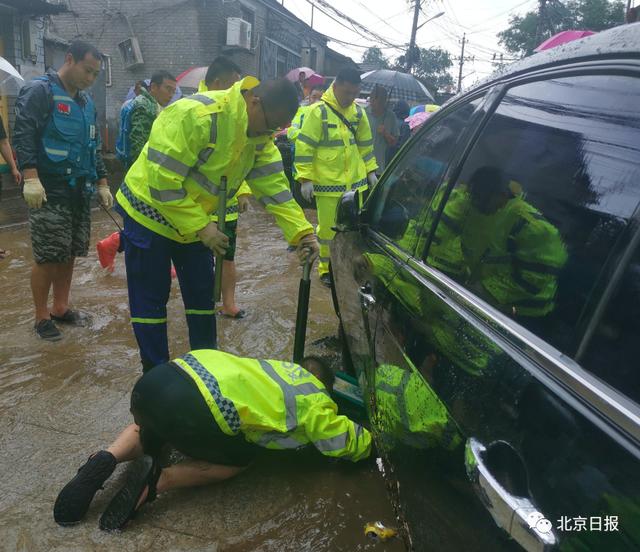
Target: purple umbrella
[{"x": 562, "y": 38}]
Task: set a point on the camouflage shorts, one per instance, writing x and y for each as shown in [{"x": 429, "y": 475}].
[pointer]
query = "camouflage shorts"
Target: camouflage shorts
[
  {"x": 231, "y": 231},
  {"x": 60, "y": 231}
]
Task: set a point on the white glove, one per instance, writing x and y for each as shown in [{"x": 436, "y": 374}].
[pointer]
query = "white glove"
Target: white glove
[
  {"x": 33, "y": 192},
  {"x": 372, "y": 178},
  {"x": 214, "y": 239},
  {"x": 308, "y": 247},
  {"x": 105, "y": 195},
  {"x": 306, "y": 189}
]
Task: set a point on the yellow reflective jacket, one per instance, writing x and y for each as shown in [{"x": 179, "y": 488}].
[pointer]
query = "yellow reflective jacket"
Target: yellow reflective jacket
[
  {"x": 274, "y": 404},
  {"x": 327, "y": 152},
  {"x": 173, "y": 186},
  {"x": 296, "y": 123},
  {"x": 232, "y": 204}
]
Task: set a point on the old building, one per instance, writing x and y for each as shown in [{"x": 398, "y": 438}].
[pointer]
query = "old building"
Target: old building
[{"x": 140, "y": 37}]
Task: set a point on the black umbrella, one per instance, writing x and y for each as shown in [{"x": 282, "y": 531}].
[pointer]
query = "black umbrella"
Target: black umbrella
[{"x": 401, "y": 86}]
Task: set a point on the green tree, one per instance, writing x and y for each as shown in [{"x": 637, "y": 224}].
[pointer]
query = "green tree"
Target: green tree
[
  {"x": 374, "y": 57},
  {"x": 432, "y": 68},
  {"x": 527, "y": 31}
]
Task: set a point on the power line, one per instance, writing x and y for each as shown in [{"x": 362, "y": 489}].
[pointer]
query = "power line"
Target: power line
[{"x": 355, "y": 25}]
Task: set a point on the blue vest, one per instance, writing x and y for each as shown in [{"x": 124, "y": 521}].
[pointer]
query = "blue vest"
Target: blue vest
[{"x": 69, "y": 141}]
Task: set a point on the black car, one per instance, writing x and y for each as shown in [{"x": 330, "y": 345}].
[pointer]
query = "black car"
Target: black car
[{"x": 488, "y": 292}]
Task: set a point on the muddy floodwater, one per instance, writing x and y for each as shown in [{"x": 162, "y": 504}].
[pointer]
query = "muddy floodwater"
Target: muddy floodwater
[{"x": 61, "y": 401}]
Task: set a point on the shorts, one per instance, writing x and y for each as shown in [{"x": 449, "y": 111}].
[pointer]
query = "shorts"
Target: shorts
[
  {"x": 61, "y": 230},
  {"x": 170, "y": 410},
  {"x": 231, "y": 231}
]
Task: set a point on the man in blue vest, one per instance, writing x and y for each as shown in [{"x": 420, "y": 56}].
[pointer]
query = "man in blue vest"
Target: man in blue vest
[{"x": 57, "y": 145}]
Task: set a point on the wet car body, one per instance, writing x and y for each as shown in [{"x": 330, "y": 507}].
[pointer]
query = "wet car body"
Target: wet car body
[{"x": 489, "y": 299}]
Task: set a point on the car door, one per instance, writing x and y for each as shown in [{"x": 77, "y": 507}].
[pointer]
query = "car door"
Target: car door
[
  {"x": 364, "y": 262},
  {"x": 507, "y": 426}
]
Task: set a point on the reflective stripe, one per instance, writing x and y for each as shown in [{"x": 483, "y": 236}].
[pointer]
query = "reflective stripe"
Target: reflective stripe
[
  {"x": 324, "y": 242},
  {"x": 289, "y": 393},
  {"x": 166, "y": 195},
  {"x": 538, "y": 267},
  {"x": 368, "y": 157},
  {"x": 281, "y": 439},
  {"x": 197, "y": 311},
  {"x": 260, "y": 147},
  {"x": 338, "y": 442},
  {"x": 266, "y": 170},
  {"x": 142, "y": 207},
  {"x": 62, "y": 98},
  {"x": 335, "y": 143},
  {"x": 324, "y": 259},
  {"x": 365, "y": 143},
  {"x": 56, "y": 151},
  {"x": 280, "y": 197},
  {"x": 167, "y": 162},
  {"x": 358, "y": 112},
  {"x": 136, "y": 320},
  {"x": 205, "y": 183},
  {"x": 226, "y": 406},
  {"x": 303, "y": 159},
  {"x": 387, "y": 387},
  {"x": 213, "y": 134},
  {"x": 306, "y": 140},
  {"x": 332, "y": 188},
  {"x": 359, "y": 430},
  {"x": 325, "y": 126},
  {"x": 202, "y": 99}
]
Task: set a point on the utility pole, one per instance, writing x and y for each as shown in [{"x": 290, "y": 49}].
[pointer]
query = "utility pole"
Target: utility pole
[
  {"x": 542, "y": 20},
  {"x": 414, "y": 30},
  {"x": 464, "y": 39},
  {"x": 312, "y": 8}
]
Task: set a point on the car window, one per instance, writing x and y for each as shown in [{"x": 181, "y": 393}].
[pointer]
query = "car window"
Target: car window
[
  {"x": 401, "y": 199},
  {"x": 613, "y": 350},
  {"x": 542, "y": 201}
]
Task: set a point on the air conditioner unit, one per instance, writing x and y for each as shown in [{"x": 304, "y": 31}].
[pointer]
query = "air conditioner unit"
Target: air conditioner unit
[
  {"x": 238, "y": 33},
  {"x": 130, "y": 52}
]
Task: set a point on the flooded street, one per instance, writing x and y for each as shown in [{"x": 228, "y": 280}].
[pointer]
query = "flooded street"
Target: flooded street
[{"x": 59, "y": 402}]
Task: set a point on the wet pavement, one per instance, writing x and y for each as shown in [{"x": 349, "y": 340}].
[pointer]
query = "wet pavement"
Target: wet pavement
[{"x": 61, "y": 401}]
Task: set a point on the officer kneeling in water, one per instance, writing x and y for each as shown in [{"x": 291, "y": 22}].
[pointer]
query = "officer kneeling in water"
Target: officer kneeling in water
[{"x": 221, "y": 411}]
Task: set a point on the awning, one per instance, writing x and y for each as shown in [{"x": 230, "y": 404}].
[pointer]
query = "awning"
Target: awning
[{"x": 34, "y": 7}]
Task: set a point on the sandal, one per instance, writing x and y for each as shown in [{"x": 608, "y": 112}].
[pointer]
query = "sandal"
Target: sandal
[
  {"x": 72, "y": 317},
  {"x": 237, "y": 316},
  {"x": 142, "y": 474}
]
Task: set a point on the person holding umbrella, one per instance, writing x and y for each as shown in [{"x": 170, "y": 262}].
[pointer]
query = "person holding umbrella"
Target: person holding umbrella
[{"x": 384, "y": 125}]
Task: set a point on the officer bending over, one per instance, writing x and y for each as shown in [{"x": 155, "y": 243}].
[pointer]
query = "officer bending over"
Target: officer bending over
[{"x": 221, "y": 410}]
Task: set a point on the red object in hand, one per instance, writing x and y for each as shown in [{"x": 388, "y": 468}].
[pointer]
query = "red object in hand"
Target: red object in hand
[
  {"x": 107, "y": 249},
  {"x": 173, "y": 272}
]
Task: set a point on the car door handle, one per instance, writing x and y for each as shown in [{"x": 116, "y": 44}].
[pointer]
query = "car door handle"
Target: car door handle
[
  {"x": 366, "y": 297},
  {"x": 517, "y": 515}
]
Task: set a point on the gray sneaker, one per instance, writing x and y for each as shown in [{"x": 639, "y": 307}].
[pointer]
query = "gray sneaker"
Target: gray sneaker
[{"x": 46, "y": 329}]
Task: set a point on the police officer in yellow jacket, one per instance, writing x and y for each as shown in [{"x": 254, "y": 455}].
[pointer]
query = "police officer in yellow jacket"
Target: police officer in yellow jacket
[
  {"x": 221, "y": 411},
  {"x": 334, "y": 154},
  {"x": 171, "y": 192},
  {"x": 221, "y": 74}
]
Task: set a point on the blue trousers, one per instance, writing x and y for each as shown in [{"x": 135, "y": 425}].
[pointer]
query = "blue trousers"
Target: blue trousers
[{"x": 148, "y": 258}]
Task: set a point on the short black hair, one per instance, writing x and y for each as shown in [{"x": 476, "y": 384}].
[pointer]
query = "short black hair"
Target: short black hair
[
  {"x": 348, "y": 74},
  {"x": 318, "y": 87},
  {"x": 79, "y": 49},
  {"x": 220, "y": 66},
  {"x": 279, "y": 96},
  {"x": 380, "y": 91},
  {"x": 320, "y": 369},
  {"x": 159, "y": 76},
  {"x": 488, "y": 181}
]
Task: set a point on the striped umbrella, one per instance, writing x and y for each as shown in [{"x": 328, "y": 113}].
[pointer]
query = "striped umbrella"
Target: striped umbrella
[{"x": 401, "y": 86}]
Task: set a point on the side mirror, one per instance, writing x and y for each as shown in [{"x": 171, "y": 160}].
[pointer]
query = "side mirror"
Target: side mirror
[{"x": 347, "y": 217}]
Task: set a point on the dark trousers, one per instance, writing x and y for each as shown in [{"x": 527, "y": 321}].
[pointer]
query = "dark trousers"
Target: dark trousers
[{"x": 149, "y": 281}]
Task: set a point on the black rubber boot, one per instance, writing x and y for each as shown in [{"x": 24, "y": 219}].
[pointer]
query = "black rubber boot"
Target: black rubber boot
[{"x": 76, "y": 496}]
